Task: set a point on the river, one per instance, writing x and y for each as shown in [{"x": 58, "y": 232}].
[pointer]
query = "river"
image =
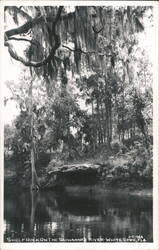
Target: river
[{"x": 77, "y": 214}]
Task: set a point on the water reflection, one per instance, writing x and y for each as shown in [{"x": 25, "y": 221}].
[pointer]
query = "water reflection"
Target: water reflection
[{"x": 76, "y": 214}]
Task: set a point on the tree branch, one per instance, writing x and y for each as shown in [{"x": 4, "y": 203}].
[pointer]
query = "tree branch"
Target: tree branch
[
  {"x": 23, "y": 39},
  {"x": 23, "y": 13},
  {"x": 31, "y": 23},
  {"x": 85, "y": 52},
  {"x": 24, "y": 29},
  {"x": 79, "y": 50}
]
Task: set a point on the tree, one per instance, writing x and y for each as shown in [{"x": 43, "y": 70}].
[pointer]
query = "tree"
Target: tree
[
  {"x": 50, "y": 27},
  {"x": 8, "y": 138},
  {"x": 92, "y": 41}
]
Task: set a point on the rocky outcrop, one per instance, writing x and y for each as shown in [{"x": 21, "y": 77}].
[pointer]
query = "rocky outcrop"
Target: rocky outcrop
[
  {"x": 71, "y": 174},
  {"x": 84, "y": 167}
]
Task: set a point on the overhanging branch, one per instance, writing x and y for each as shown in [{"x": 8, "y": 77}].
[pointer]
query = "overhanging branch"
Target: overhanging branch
[
  {"x": 23, "y": 39},
  {"x": 24, "y": 29},
  {"x": 86, "y": 52},
  {"x": 79, "y": 50}
]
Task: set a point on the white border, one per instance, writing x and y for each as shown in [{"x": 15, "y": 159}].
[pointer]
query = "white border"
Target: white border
[{"x": 93, "y": 246}]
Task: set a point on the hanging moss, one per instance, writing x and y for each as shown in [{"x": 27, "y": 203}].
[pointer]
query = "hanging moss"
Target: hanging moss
[{"x": 87, "y": 28}]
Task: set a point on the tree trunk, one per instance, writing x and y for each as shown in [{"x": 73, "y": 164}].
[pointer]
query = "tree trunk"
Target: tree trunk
[
  {"x": 35, "y": 180},
  {"x": 94, "y": 129},
  {"x": 103, "y": 122},
  {"x": 110, "y": 135},
  {"x": 34, "y": 201},
  {"x": 99, "y": 123}
]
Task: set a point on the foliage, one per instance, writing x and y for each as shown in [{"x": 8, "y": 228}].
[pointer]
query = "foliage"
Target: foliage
[
  {"x": 85, "y": 27},
  {"x": 89, "y": 54}
]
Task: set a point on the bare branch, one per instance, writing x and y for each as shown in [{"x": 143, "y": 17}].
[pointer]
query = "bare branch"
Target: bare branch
[
  {"x": 79, "y": 50},
  {"x": 86, "y": 52}
]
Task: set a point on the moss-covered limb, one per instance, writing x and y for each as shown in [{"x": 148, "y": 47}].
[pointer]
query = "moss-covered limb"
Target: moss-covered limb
[{"x": 24, "y": 29}]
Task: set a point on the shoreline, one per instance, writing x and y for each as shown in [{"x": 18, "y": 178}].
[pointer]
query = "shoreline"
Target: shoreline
[{"x": 100, "y": 188}]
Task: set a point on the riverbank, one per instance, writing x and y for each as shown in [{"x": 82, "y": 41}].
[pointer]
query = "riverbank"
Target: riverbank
[
  {"x": 137, "y": 187},
  {"x": 129, "y": 170}
]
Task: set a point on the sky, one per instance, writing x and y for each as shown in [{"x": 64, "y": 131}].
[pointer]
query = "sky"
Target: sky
[
  {"x": 11, "y": 73},
  {"x": 11, "y": 70}
]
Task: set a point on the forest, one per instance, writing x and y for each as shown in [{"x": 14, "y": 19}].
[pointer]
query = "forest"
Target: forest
[{"x": 84, "y": 97}]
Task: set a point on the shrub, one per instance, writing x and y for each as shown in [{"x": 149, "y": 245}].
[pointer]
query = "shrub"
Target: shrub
[
  {"x": 115, "y": 147},
  {"x": 54, "y": 163}
]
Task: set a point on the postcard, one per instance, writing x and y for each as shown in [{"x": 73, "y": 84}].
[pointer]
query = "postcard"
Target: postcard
[{"x": 79, "y": 125}]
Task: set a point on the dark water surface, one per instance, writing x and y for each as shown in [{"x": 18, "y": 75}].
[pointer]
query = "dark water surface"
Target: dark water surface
[{"x": 78, "y": 213}]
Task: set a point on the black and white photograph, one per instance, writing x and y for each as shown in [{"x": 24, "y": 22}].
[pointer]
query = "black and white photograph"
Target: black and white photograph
[{"x": 79, "y": 140}]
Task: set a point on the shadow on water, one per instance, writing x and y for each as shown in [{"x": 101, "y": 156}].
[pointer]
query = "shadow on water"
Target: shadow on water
[{"x": 77, "y": 213}]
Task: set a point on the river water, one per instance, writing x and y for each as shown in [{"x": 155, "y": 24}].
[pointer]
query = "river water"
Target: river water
[{"x": 77, "y": 214}]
